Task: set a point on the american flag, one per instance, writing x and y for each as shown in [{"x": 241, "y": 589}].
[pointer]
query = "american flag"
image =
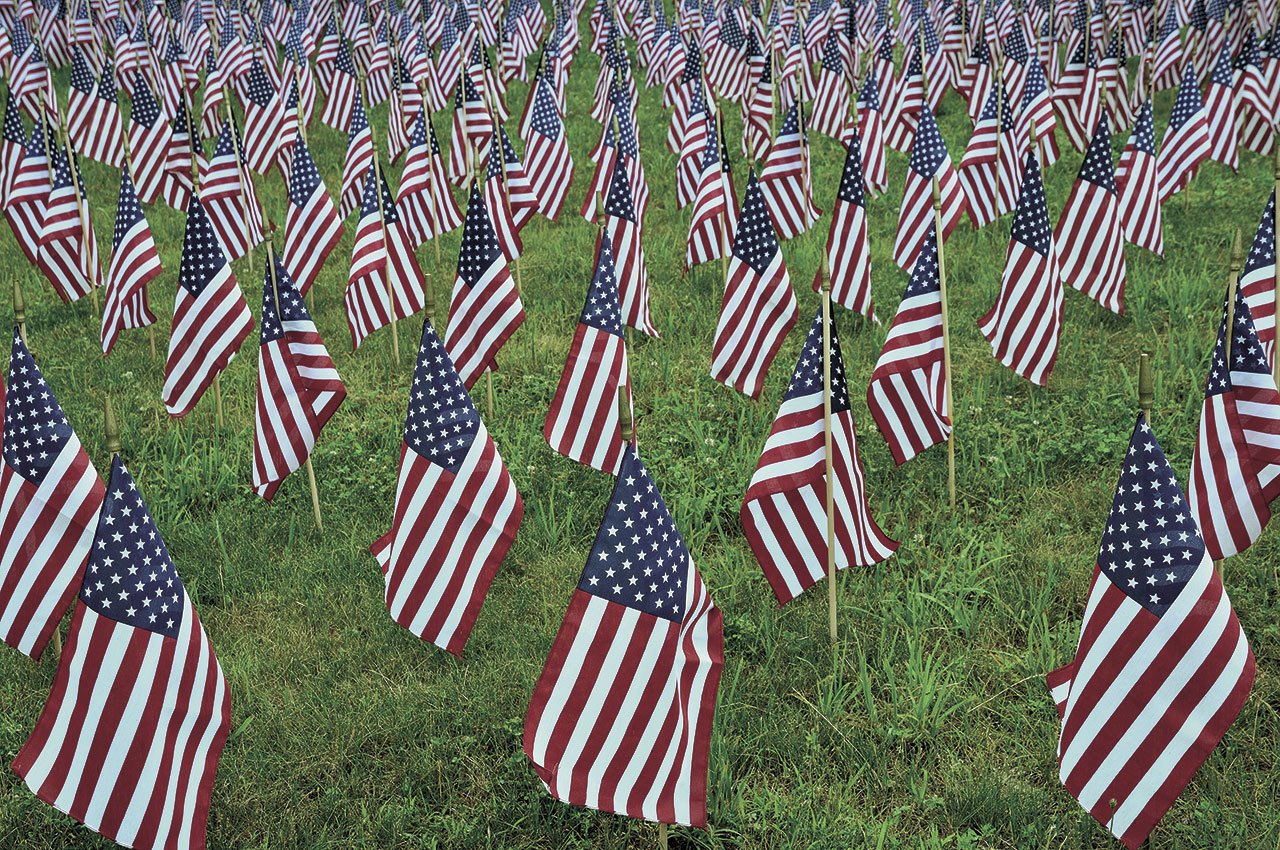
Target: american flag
[
  {"x": 1258, "y": 279},
  {"x": 617, "y": 143},
  {"x": 472, "y": 128},
  {"x": 262, "y": 110},
  {"x": 831, "y": 100},
  {"x": 342, "y": 91},
  {"x": 456, "y": 510},
  {"x": 976, "y": 79},
  {"x": 1024, "y": 324},
  {"x": 1168, "y": 52},
  {"x": 929, "y": 159},
  {"x": 582, "y": 423},
  {"x": 228, "y": 195},
  {"x": 210, "y": 315},
  {"x": 871, "y": 131},
  {"x": 68, "y": 253},
  {"x": 1138, "y": 184},
  {"x": 298, "y": 386},
  {"x": 713, "y": 219},
  {"x": 129, "y": 739},
  {"x": 989, "y": 168},
  {"x": 13, "y": 139},
  {"x": 149, "y": 140},
  {"x": 384, "y": 272},
  {"x": 521, "y": 199},
  {"x": 726, "y": 59},
  {"x": 784, "y": 512},
  {"x": 496, "y": 201},
  {"x": 1220, "y": 113},
  {"x": 785, "y": 180},
  {"x": 28, "y": 193},
  {"x": 1076, "y": 94},
  {"x": 134, "y": 264},
  {"x": 621, "y": 716},
  {"x": 357, "y": 161},
  {"x": 484, "y": 308},
  {"x": 759, "y": 306},
  {"x": 427, "y": 208},
  {"x": 1036, "y": 108},
  {"x": 622, "y": 223},
  {"x": 312, "y": 227},
  {"x": 1235, "y": 468},
  {"x": 690, "y": 140},
  {"x": 848, "y": 257},
  {"x": 908, "y": 390},
  {"x": 546, "y": 151},
  {"x": 51, "y": 495},
  {"x": 757, "y": 113},
  {"x": 1162, "y": 667},
  {"x": 1186, "y": 141},
  {"x": 1253, "y": 99},
  {"x": 1089, "y": 238},
  {"x": 93, "y": 116},
  {"x": 908, "y": 105}
]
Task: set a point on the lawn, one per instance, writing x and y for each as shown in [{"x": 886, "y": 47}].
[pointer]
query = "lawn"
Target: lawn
[{"x": 930, "y": 727}]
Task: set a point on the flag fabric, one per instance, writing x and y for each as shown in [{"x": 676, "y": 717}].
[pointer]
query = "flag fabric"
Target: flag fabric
[
  {"x": 929, "y": 159},
  {"x": 484, "y": 307},
  {"x": 384, "y": 274},
  {"x": 871, "y": 131},
  {"x": 355, "y": 166},
  {"x": 298, "y": 387},
  {"x": 546, "y": 151},
  {"x": 28, "y": 194},
  {"x": 1089, "y": 237},
  {"x": 1258, "y": 280},
  {"x": 713, "y": 220},
  {"x": 1162, "y": 667},
  {"x": 1220, "y": 113},
  {"x": 989, "y": 168},
  {"x": 908, "y": 389},
  {"x": 426, "y": 206},
  {"x": 1235, "y": 468},
  {"x": 1024, "y": 324},
  {"x": 94, "y": 124},
  {"x": 1138, "y": 184},
  {"x": 129, "y": 739},
  {"x": 848, "y": 256},
  {"x": 228, "y": 196},
  {"x": 621, "y": 715},
  {"x": 472, "y": 127},
  {"x": 1186, "y": 141},
  {"x": 13, "y": 140},
  {"x": 784, "y": 513},
  {"x": 622, "y": 223},
  {"x": 583, "y": 423},
  {"x": 785, "y": 179},
  {"x": 456, "y": 509},
  {"x": 759, "y": 306},
  {"x": 150, "y": 137},
  {"x": 210, "y": 316},
  {"x": 342, "y": 90},
  {"x": 68, "y": 253},
  {"x": 496, "y": 199},
  {"x": 312, "y": 228},
  {"x": 757, "y": 112},
  {"x": 134, "y": 264},
  {"x": 51, "y": 495}
]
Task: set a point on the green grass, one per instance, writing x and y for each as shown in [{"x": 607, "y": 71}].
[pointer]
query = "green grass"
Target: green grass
[{"x": 934, "y": 728}]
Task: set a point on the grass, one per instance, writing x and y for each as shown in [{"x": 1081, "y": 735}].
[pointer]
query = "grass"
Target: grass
[{"x": 933, "y": 729}]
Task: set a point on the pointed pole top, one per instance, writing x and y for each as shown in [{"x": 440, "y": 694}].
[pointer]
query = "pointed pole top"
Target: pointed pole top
[
  {"x": 110, "y": 427},
  {"x": 625, "y": 421}
]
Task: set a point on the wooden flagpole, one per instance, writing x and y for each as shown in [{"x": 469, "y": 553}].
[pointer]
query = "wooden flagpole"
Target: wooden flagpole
[
  {"x": 946, "y": 345},
  {"x": 725, "y": 248},
  {"x": 81, "y": 211},
  {"x": 1275, "y": 344},
  {"x": 1146, "y": 390},
  {"x": 830, "y": 459},
  {"x": 275, "y": 296},
  {"x": 20, "y": 310}
]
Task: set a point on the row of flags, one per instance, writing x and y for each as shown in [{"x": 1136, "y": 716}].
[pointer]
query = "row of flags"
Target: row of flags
[{"x": 457, "y": 510}]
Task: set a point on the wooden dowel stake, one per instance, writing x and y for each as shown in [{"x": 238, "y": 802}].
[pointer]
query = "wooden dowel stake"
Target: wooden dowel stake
[
  {"x": 830, "y": 459},
  {"x": 946, "y": 346},
  {"x": 1146, "y": 391},
  {"x": 20, "y": 310}
]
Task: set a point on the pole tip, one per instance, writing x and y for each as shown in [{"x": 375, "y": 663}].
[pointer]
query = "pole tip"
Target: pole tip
[
  {"x": 19, "y": 304},
  {"x": 1237, "y": 252},
  {"x": 937, "y": 194},
  {"x": 625, "y": 420},
  {"x": 110, "y": 426},
  {"x": 1146, "y": 388}
]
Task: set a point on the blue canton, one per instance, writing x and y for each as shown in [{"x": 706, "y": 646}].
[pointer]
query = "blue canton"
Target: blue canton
[
  {"x": 807, "y": 378},
  {"x": 1097, "y": 167},
  {"x": 442, "y": 422},
  {"x": 755, "y": 243},
  {"x": 35, "y": 429},
  {"x": 1031, "y": 222},
  {"x": 602, "y": 309},
  {"x": 202, "y": 255},
  {"x": 479, "y": 249}
]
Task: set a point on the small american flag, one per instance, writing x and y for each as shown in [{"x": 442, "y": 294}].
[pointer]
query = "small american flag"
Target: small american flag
[
  {"x": 472, "y": 128},
  {"x": 342, "y": 90},
  {"x": 831, "y": 100},
  {"x": 129, "y": 739},
  {"x": 1036, "y": 108},
  {"x": 1186, "y": 141},
  {"x": 759, "y": 305},
  {"x": 312, "y": 227},
  {"x": 496, "y": 201},
  {"x": 427, "y": 208},
  {"x": 784, "y": 512},
  {"x": 13, "y": 139},
  {"x": 1162, "y": 667},
  {"x": 621, "y": 716},
  {"x": 484, "y": 308},
  {"x": 991, "y": 160},
  {"x": 908, "y": 104},
  {"x": 210, "y": 316},
  {"x": 848, "y": 257},
  {"x": 929, "y": 159},
  {"x": 149, "y": 140},
  {"x": 1258, "y": 279},
  {"x": 546, "y": 148},
  {"x": 757, "y": 113},
  {"x": 622, "y": 223},
  {"x": 1089, "y": 238},
  {"x": 1235, "y": 468},
  {"x": 1138, "y": 182},
  {"x": 134, "y": 264},
  {"x": 228, "y": 196},
  {"x": 691, "y": 138},
  {"x": 1024, "y": 324},
  {"x": 262, "y": 108},
  {"x": 908, "y": 390},
  {"x": 583, "y": 424},
  {"x": 93, "y": 117},
  {"x": 357, "y": 161},
  {"x": 50, "y": 495},
  {"x": 384, "y": 273},
  {"x": 785, "y": 180},
  {"x": 871, "y": 131},
  {"x": 28, "y": 195},
  {"x": 298, "y": 387},
  {"x": 1168, "y": 52},
  {"x": 456, "y": 511},
  {"x": 68, "y": 253},
  {"x": 713, "y": 219},
  {"x": 1220, "y": 112}
]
